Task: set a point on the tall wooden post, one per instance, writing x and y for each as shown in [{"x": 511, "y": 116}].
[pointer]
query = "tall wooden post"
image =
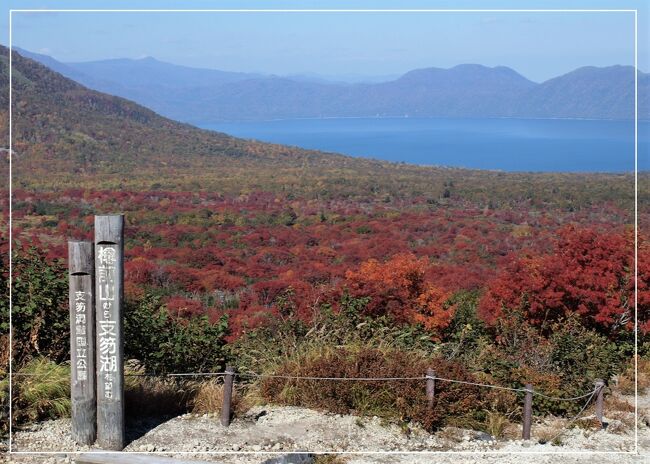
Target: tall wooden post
[
  {"x": 431, "y": 387},
  {"x": 600, "y": 390},
  {"x": 83, "y": 394},
  {"x": 528, "y": 412},
  {"x": 109, "y": 285},
  {"x": 227, "y": 396}
]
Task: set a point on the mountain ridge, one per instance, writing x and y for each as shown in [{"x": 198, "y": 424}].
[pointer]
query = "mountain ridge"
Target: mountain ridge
[{"x": 204, "y": 96}]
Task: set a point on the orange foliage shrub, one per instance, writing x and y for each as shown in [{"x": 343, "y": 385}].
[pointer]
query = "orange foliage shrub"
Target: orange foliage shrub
[{"x": 399, "y": 288}]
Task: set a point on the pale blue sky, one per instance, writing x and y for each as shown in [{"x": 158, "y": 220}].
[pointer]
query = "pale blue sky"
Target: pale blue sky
[{"x": 539, "y": 45}]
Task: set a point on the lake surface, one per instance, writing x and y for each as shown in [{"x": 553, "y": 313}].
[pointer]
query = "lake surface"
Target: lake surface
[{"x": 504, "y": 144}]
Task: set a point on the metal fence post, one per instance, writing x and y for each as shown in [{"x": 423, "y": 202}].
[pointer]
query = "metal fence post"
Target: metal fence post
[
  {"x": 83, "y": 393},
  {"x": 528, "y": 412}
]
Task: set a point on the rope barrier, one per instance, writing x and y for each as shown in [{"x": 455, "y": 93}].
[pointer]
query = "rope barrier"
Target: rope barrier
[
  {"x": 353, "y": 379},
  {"x": 343, "y": 379},
  {"x": 566, "y": 427},
  {"x": 555, "y": 398},
  {"x": 497, "y": 387}
]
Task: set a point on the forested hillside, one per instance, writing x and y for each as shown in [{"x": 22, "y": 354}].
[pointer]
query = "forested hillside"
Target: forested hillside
[{"x": 65, "y": 134}]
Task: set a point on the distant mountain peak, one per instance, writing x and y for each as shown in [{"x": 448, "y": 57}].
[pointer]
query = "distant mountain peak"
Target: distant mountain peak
[{"x": 204, "y": 96}]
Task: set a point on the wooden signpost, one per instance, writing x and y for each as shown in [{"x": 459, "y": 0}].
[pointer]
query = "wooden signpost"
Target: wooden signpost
[
  {"x": 109, "y": 285},
  {"x": 82, "y": 342}
]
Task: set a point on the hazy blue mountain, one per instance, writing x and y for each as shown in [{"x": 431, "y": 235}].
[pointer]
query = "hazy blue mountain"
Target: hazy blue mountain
[
  {"x": 588, "y": 92},
  {"x": 149, "y": 71},
  {"x": 203, "y": 96}
]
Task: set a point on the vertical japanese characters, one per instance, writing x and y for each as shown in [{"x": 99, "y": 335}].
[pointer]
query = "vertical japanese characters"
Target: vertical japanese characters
[
  {"x": 82, "y": 342},
  {"x": 81, "y": 303},
  {"x": 106, "y": 320},
  {"x": 109, "y": 264}
]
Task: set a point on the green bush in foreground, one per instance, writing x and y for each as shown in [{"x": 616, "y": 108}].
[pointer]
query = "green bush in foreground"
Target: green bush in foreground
[
  {"x": 39, "y": 313},
  {"x": 164, "y": 344}
]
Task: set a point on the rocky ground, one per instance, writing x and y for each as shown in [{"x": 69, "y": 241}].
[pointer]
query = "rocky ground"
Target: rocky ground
[{"x": 267, "y": 433}]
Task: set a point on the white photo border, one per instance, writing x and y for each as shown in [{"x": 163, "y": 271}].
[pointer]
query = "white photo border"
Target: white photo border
[{"x": 635, "y": 451}]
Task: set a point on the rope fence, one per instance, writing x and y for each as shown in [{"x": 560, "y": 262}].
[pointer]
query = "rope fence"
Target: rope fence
[
  {"x": 349, "y": 379},
  {"x": 430, "y": 378}
]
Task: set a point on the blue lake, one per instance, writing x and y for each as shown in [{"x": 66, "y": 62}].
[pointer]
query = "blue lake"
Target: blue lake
[{"x": 504, "y": 144}]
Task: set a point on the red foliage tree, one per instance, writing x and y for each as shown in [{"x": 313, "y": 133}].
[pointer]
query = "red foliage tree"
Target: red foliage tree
[
  {"x": 590, "y": 273},
  {"x": 184, "y": 307}
]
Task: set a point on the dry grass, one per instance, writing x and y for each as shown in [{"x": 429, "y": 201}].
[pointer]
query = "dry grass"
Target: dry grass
[
  {"x": 511, "y": 431},
  {"x": 549, "y": 431},
  {"x": 615, "y": 403},
  {"x": 329, "y": 459},
  {"x": 43, "y": 391},
  {"x": 208, "y": 398},
  {"x": 496, "y": 424},
  {"x": 625, "y": 383},
  {"x": 163, "y": 396}
]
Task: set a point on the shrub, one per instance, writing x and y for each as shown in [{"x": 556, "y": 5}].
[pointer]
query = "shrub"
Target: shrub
[
  {"x": 165, "y": 344},
  {"x": 588, "y": 273},
  {"x": 264, "y": 348},
  {"x": 4, "y": 405},
  {"x": 398, "y": 400},
  {"x": 565, "y": 364},
  {"x": 399, "y": 288},
  {"x": 466, "y": 334},
  {"x": 39, "y": 313}
]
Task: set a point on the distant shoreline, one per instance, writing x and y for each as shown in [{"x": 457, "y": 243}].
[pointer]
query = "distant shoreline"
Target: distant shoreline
[
  {"x": 576, "y": 145},
  {"x": 325, "y": 118}
]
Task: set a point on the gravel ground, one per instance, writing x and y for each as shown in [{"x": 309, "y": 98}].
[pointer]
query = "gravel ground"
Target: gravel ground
[{"x": 267, "y": 432}]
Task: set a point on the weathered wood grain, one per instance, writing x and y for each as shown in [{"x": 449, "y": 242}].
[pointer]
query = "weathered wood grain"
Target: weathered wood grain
[
  {"x": 82, "y": 342},
  {"x": 528, "y": 412},
  {"x": 109, "y": 289},
  {"x": 226, "y": 413},
  {"x": 600, "y": 390}
]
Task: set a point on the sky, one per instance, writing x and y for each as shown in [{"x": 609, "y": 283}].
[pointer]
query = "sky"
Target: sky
[{"x": 538, "y": 45}]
